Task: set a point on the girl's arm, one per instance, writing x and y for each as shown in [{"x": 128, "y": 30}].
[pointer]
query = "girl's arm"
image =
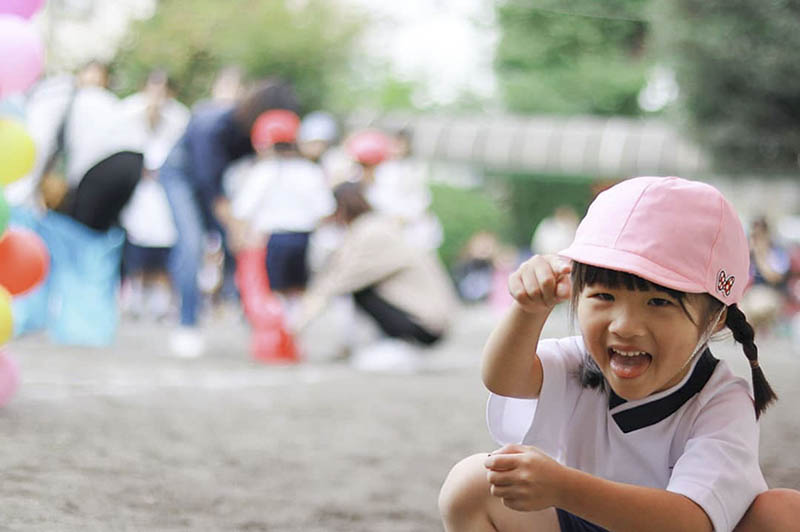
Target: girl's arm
[
  {"x": 510, "y": 365},
  {"x": 528, "y": 480}
]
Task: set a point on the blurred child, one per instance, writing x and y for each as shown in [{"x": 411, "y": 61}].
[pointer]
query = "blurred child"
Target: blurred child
[
  {"x": 281, "y": 201},
  {"x": 634, "y": 425},
  {"x": 395, "y": 184},
  {"x": 158, "y": 121}
]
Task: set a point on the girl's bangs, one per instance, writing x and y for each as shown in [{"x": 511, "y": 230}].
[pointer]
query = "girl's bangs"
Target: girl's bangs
[{"x": 585, "y": 275}]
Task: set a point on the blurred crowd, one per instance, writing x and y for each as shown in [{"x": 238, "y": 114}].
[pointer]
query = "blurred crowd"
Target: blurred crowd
[
  {"x": 238, "y": 203},
  {"x": 241, "y": 204}
]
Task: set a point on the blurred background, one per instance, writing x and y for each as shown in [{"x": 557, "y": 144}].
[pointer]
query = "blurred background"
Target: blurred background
[
  {"x": 491, "y": 124},
  {"x": 517, "y": 106}
]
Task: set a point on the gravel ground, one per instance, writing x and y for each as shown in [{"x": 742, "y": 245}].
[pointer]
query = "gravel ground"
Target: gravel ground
[{"x": 126, "y": 438}]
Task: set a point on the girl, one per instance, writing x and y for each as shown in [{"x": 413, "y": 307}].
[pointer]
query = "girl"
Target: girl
[{"x": 634, "y": 425}]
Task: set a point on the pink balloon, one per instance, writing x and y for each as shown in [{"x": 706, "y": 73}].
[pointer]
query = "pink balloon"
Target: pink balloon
[
  {"x": 23, "y": 8},
  {"x": 9, "y": 378},
  {"x": 22, "y": 54}
]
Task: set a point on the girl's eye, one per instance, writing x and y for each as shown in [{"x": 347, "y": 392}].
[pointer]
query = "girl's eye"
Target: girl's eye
[
  {"x": 603, "y": 296},
  {"x": 660, "y": 302}
]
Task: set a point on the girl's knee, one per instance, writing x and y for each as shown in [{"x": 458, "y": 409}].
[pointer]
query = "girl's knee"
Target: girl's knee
[
  {"x": 774, "y": 510},
  {"x": 465, "y": 490}
]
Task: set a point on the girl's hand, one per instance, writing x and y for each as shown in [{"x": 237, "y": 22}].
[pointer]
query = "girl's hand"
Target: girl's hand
[
  {"x": 525, "y": 478},
  {"x": 541, "y": 282}
]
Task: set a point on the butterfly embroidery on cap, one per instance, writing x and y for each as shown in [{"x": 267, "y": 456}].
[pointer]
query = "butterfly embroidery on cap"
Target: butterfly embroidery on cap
[{"x": 725, "y": 283}]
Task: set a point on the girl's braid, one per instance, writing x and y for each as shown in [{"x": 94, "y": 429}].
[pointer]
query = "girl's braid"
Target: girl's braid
[{"x": 743, "y": 333}]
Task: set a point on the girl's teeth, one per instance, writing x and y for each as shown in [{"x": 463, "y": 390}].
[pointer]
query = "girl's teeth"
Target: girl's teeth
[{"x": 629, "y": 353}]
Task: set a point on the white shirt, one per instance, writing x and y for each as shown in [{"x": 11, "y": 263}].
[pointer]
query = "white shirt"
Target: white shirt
[
  {"x": 401, "y": 191},
  {"x": 283, "y": 195},
  {"x": 158, "y": 141},
  {"x": 703, "y": 445},
  {"x": 96, "y": 129}
]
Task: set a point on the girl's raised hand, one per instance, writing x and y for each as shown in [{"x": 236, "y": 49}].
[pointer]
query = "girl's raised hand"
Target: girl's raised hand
[
  {"x": 525, "y": 478},
  {"x": 541, "y": 282}
]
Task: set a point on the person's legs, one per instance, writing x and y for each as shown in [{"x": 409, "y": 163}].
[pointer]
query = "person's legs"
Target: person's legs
[
  {"x": 776, "y": 510},
  {"x": 466, "y": 504},
  {"x": 187, "y": 253},
  {"x": 105, "y": 189},
  {"x": 393, "y": 321}
]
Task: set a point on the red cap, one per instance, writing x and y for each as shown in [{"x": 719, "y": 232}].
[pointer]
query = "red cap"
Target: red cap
[
  {"x": 370, "y": 147},
  {"x": 274, "y": 126}
]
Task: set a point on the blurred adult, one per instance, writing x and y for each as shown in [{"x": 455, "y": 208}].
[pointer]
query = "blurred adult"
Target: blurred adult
[
  {"x": 192, "y": 178},
  {"x": 555, "y": 232},
  {"x": 404, "y": 289},
  {"x": 769, "y": 268},
  {"x": 89, "y": 162}
]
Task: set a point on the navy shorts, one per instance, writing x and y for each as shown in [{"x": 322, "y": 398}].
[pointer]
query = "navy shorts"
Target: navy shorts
[
  {"x": 286, "y": 260},
  {"x": 138, "y": 259},
  {"x": 572, "y": 523}
]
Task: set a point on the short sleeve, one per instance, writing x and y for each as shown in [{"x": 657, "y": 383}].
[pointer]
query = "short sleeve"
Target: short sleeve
[
  {"x": 719, "y": 467},
  {"x": 540, "y": 421}
]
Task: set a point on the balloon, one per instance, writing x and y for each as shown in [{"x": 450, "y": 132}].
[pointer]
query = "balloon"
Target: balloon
[
  {"x": 5, "y": 212},
  {"x": 23, "y": 8},
  {"x": 17, "y": 151},
  {"x": 24, "y": 260},
  {"x": 9, "y": 378},
  {"x": 22, "y": 54},
  {"x": 6, "y": 319}
]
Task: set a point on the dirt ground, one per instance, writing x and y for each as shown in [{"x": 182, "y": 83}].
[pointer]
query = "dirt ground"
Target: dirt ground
[{"x": 126, "y": 438}]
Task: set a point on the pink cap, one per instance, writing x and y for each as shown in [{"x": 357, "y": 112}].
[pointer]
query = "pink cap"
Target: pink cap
[{"x": 674, "y": 232}]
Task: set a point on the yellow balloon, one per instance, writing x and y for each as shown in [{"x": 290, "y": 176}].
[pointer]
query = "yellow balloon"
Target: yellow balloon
[
  {"x": 6, "y": 320},
  {"x": 17, "y": 151}
]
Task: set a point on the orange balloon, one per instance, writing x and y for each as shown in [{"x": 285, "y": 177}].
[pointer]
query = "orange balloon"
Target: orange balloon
[{"x": 24, "y": 260}]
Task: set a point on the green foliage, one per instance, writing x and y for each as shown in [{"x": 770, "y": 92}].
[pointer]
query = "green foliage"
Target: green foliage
[
  {"x": 529, "y": 198},
  {"x": 571, "y": 57},
  {"x": 738, "y": 66},
  {"x": 509, "y": 205},
  {"x": 462, "y": 213},
  {"x": 308, "y": 43}
]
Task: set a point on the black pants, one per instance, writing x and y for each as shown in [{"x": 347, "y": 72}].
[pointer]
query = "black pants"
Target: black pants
[
  {"x": 393, "y": 321},
  {"x": 104, "y": 190}
]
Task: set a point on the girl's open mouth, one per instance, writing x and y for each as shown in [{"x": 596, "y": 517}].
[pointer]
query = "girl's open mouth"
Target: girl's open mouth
[{"x": 628, "y": 364}]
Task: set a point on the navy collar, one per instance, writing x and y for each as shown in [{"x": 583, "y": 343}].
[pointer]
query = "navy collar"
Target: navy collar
[{"x": 651, "y": 413}]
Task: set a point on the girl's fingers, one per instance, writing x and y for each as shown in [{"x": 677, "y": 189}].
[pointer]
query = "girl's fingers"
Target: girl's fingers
[
  {"x": 546, "y": 281},
  {"x": 499, "y": 478},
  {"x": 502, "y": 462}
]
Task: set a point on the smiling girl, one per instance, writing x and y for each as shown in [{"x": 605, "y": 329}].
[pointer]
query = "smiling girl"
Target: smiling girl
[{"x": 633, "y": 425}]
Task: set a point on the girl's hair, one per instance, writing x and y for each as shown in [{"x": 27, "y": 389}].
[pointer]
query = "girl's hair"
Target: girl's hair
[
  {"x": 350, "y": 200},
  {"x": 590, "y": 375}
]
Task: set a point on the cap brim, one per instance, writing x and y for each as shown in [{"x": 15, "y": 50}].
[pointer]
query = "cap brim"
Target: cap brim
[{"x": 626, "y": 261}]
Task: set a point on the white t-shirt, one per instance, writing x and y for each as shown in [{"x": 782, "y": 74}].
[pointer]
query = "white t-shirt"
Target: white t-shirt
[
  {"x": 400, "y": 190},
  {"x": 698, "y": 438},
  {"x": 156, "y": 142},
  {"x": 283, "y": 195}
]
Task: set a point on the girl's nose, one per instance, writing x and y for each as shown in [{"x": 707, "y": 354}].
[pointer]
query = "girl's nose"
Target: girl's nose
[{"x": 627, "y": 323}]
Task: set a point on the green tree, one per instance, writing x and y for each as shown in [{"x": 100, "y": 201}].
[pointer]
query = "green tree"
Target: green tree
[
  {"x": 738, "y": 66},
  {"x": 576, "y": 56},
  {"x": 309, "y": 43}
]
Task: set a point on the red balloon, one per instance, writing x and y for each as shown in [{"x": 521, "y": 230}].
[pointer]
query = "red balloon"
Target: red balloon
[{"x": 24, "y": 260}]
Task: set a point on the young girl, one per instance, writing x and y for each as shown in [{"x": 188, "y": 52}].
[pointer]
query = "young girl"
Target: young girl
[{"x": 634, "y": 425}]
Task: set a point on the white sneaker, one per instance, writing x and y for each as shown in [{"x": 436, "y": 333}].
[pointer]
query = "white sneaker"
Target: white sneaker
[
  {"x": 388, "y": 355},
  {"x": 187, "y": 342}
]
